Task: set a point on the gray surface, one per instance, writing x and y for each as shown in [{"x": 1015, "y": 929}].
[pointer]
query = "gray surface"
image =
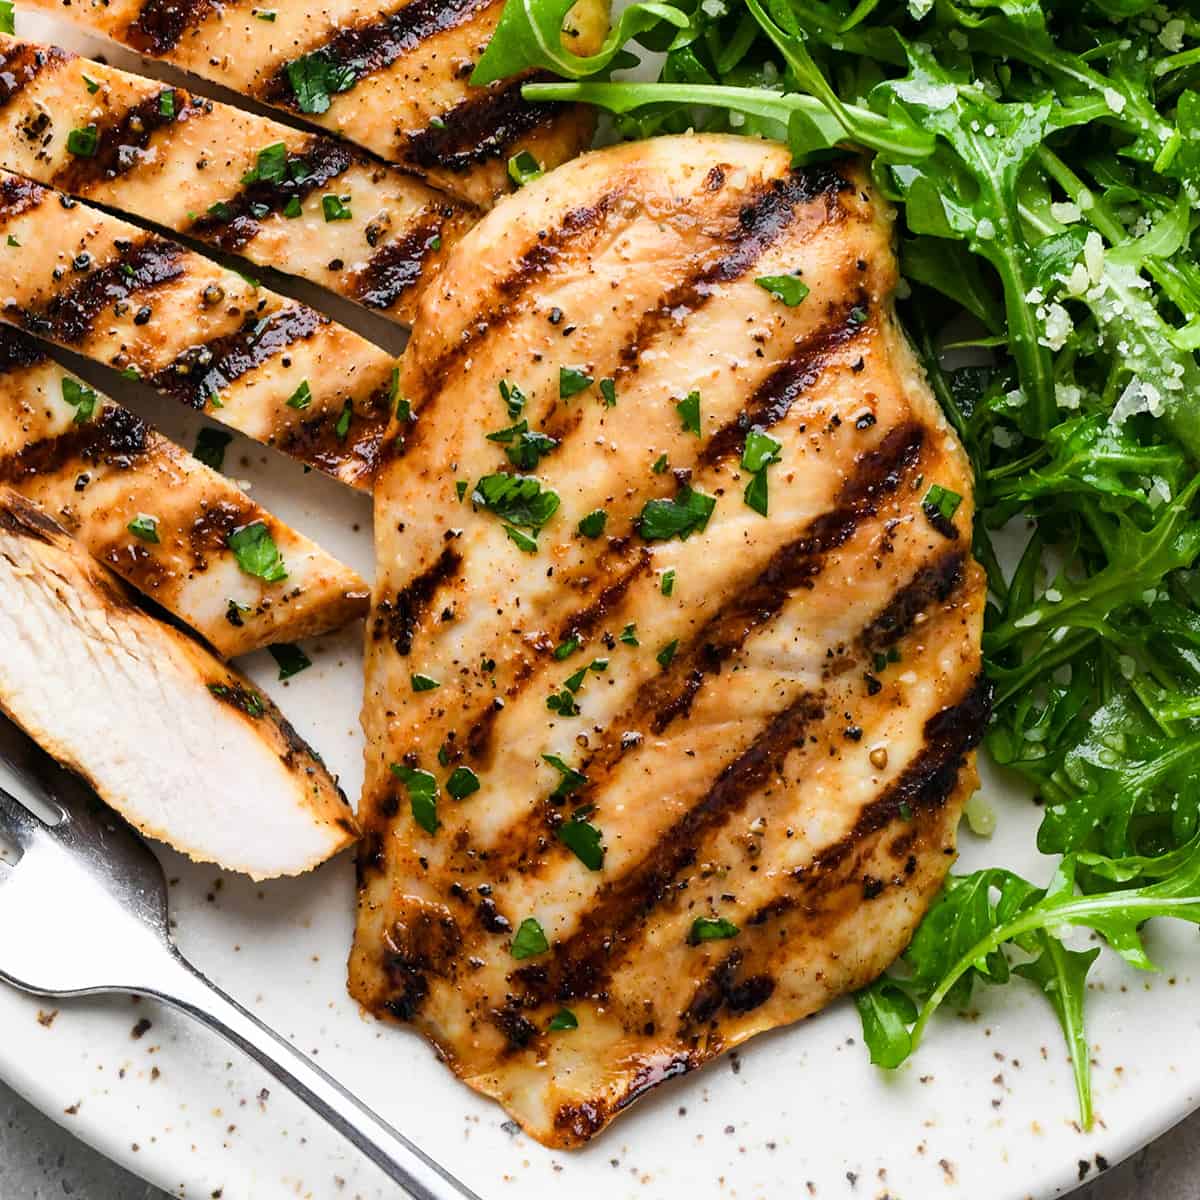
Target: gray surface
[{"x": 38, "y": 1160}]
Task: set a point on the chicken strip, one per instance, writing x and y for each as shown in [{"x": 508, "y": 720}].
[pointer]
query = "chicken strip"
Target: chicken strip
[
  {"x": 674, "y": 668},
  {"x": 240, "y": 183},
  {"x": 184, "y": 748},
  {"x": 270, "y": 367},
  {"x": 392, "y": 77},
  {"x": 172, "y": 527}
]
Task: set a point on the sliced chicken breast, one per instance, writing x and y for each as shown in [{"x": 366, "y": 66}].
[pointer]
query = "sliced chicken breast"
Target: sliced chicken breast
[
  {"x": 391, "y": 76},
  {"x": 280, "y": 197},
  {"x": 180, "y": 745},
  {"x": 172, "y": 527},
  {"x": 270, "y": 367},
  {"x": 674, "y": 664}
]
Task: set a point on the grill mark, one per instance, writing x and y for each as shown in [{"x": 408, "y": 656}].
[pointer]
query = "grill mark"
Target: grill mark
[
  {"x": 372, "y": 47},
  {"x": 139, "y": 267},
  {"x": 325, "y": 160},
  {"x": 202, "y": 370},
  {"x": 161, "y": 24},
  {"x": 534, "y": 263},
  {"x": 923, "y": 788},
  {"x": 480, "y": 129},
  {"x": 209, "y": 532},
  {"x": 23, "y": 519},
  {"x": 18, "y": 196},
  {"x": 935, "y": 582},
  {"x": 115, "y": 437},
  {"x": 582, "y": 960},
  {"x": 21, "y": 64},
  {"x": 316, "y": 441},
  {"x": 18, "y": 351},
  {"x": 122, "y": 139},
  {"x": 756, "y": 602},
  {"x": 398, "y": 619},
  {"x": 799, "y": 372},
  {"x": 396, "y": 267}
]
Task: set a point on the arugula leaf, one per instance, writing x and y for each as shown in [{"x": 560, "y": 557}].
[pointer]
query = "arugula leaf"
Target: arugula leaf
[{"x": 887, "y": 1011}]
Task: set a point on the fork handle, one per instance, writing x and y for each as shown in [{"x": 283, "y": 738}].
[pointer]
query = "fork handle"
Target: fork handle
[{"x": 191, "y": 993}]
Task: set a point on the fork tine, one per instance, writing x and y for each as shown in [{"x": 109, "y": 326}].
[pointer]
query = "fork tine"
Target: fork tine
[{"x": 16, "y": 821}]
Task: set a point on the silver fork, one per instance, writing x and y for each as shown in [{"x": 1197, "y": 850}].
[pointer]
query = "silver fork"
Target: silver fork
[{"x": 84, "y": 912}]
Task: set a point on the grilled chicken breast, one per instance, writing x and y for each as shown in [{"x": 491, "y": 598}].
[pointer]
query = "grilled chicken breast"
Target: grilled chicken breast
[
  {"x": 704, "y": 629},
  {"x": 303, "y": 202},
  {"x": 268, "y": 366},
  {"x": 390, "y": 76},
  {"x": 164, "y": 522},
  {"x": 181, "y": 746}
]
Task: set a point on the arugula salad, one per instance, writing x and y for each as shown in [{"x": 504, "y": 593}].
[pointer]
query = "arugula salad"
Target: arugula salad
[{"x": 1044, "y": 157}]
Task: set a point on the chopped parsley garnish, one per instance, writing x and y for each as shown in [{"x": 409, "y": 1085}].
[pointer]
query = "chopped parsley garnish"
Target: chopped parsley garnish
[
  {"x": 81, "y": 398},
  {"x": 759, "y": 453},
  {"x": 574, "y": 682},
  {"x": 301, "y": 397},
  {"x": 563, "y": 703},
  {"x": 518, "y": 500},
  {"x": 423, "y": 683},
  {"x": 570, "y": 780},
  {"x": 628, "y": 635},
  {"x": 711, "y": 929},
  {"x": 210, "y": 447},
  {"x": 264, "y": 14},
  {"x": 513, "y": 397},
  {"x": 422, "y": 795},
  {"x": 660, "y": 464},
  {"x": 667, "y": 653},
  {"x": 336, "y": 208},
  {"x": 572, "y": 381},
  {"x": 583, "y": 840},
  {"x": 881, "y": 660},
  {"x": 689, "y": 412},
  {"x": 460, "y": 489},
  {"x": 668, "y": 582},
  {"x": 145, "y": 528},
  {"x": 523, "y": 168},
  {"x": 566, "y": 648},
  {"x": 234, "y": 613},
  {"x": 293, "y": 208},
  {"x": 82, "y": 142},
  {"x": 858, "y": 315},
  {"x": 522, "y": 541},
  {"x": 608, "y": 391},
  {"x": 7, "y": 23},
  {"x": 315, "y": 77},
  {"x": 256, "y": 552},
  {"x": 342, "y": 428},
  {"x": 563, "y": 1019},
  {"x": 785, "y": 288},
  {"x": 166, "y": 103},
  {"x": 592, "y": 526},
  {"x": 529, "y": 940},
  {"x": 12, "y": 241},
  {"x": 462, "y": 783},
  {"x": 270, "y": 166},
  {"x": 525, "y": 447},
  {"x": 92, "y": 85},
  {"x": 290, "y": 659},
  {"x": 942, "y": 501},
  {"x": 680, "y": 517}
]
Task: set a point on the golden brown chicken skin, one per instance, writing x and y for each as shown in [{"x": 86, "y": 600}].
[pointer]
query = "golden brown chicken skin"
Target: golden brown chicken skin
[
  {"x": 392, "y": 77},
  {"x": 680, "y": 758}
]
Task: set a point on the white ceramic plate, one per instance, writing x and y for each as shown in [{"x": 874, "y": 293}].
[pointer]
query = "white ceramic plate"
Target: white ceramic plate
[{"x": 985, "y": 1110}]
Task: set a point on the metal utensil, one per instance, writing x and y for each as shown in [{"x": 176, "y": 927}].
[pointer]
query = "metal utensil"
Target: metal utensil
[{"x": 84, "y": 912}]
